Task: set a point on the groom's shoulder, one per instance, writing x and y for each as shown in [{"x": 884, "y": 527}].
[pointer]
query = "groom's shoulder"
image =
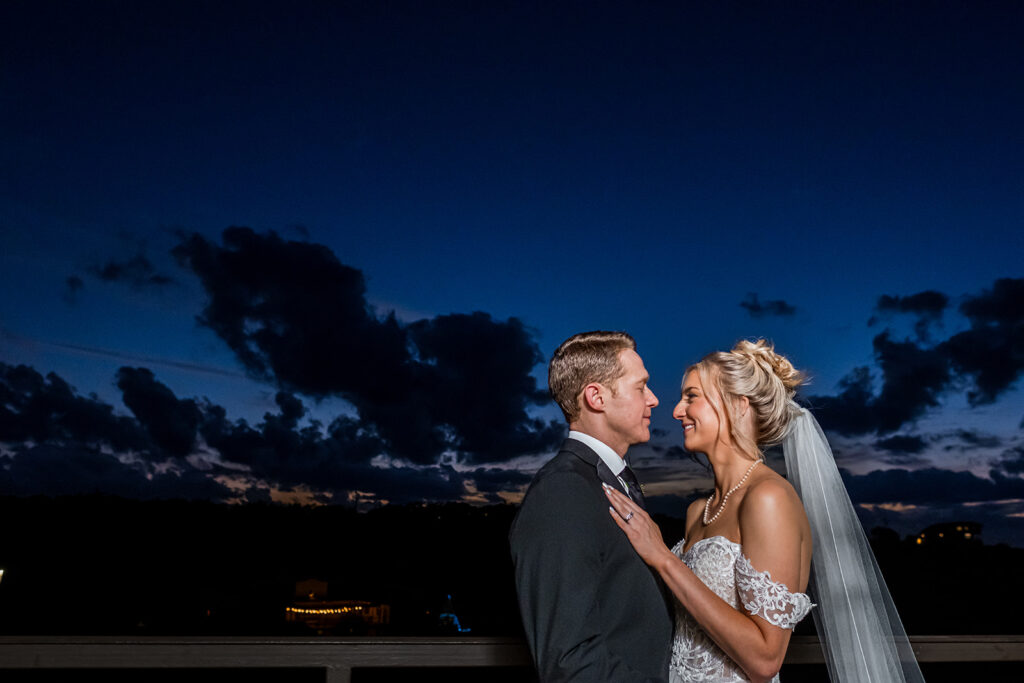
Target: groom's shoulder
[
  {"x": 565, "y": 491},
  {"x": 565, "y": 475},
  {"x": 566, "y": 461}
]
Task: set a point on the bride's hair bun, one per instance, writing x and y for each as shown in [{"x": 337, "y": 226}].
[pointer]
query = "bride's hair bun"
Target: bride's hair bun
[
  {"x": 767, "y": 379},
  {"x": 763, "y": 353}
]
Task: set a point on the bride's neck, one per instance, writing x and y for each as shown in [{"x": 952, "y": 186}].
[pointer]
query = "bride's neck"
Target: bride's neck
[{"x": 729, "y": 469}]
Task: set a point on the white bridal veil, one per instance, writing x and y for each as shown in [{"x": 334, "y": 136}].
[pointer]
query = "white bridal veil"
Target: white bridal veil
[{"x": 860, "y": 631}]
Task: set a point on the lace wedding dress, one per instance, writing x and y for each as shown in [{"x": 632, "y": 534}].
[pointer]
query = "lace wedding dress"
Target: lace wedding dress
[{"x": 723, "y": 568}]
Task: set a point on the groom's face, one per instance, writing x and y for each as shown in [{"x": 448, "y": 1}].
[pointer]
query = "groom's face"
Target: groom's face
[{"x": 628, "y": 408}]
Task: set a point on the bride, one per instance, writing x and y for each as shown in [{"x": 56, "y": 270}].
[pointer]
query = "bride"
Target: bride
[{"x": 740, "y": 574}]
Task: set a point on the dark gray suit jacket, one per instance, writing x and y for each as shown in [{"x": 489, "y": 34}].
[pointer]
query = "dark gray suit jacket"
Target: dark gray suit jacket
[{"x": 593, "y": 611}]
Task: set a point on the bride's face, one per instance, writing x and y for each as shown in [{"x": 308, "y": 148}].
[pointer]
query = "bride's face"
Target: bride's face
[{"x": 701, "y": 426}]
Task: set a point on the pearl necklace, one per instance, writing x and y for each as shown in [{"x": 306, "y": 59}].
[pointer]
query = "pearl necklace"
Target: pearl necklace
[{"x": 725, "y": 498}]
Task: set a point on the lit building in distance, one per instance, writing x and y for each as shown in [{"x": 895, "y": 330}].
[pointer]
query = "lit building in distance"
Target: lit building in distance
[
  {"x": 312, "y": 610},
  {"x": 950, "y": 533}
]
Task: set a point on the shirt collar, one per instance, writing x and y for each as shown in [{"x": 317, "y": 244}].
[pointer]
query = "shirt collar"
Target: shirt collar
[{"x": 614, "y": 461}]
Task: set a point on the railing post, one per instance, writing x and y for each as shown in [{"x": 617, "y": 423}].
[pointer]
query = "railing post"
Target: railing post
[{"x": 337, "y": 673}]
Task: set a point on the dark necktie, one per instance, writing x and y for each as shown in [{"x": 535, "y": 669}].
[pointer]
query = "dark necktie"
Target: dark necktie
[{"x": 635, "y": 492}]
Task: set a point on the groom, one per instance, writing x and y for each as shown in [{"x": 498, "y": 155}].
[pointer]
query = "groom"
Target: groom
[{"x": 592, "y": 610}]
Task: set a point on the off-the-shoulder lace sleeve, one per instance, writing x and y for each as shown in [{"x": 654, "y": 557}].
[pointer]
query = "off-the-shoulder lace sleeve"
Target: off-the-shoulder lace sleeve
[{"x": 769, "y": 599}]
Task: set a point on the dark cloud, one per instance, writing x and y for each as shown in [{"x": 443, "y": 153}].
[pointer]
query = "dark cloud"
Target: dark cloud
[
  {"x": 334, "y": 461},
  {"x": 851, "y": 411},
  {"x": 72, "y": 286},
  {"x": 480, "y": 384},
  {"x": 494, "y": 480},
  {"x": 913, "y": 380},
  {"x": 930, "y": 486},
  {"x": 1007, "y": 487},
  {"x": 291, "y": 407},
  {"x": 1012, "y": 461},
  {"x": 759, "y": 309},
  {"x": 48, "y": 411},
  {"x": 928, "y": 303},
  {"x": 902, "y": 444},
  {"x": 973, "y": 438},
  {"x": 411, "y": 485},
  {"x": 258, "y": 494},
  {"x": 60, "y": 443},
  {"x": 987, "y": 359},
  {"x": 171, "y": 423},
  {"x": 926, "y": 306},
  {"x": 70, "y": 470},
  {"x": 338, "y": 462},
  {"x": 137, "y": 272},
  {"x": 295, "y": 315},
  {"x": 279, "y": 451},
  {"x": 186, "y": 483},
  {"x": 991, "y": 352}
]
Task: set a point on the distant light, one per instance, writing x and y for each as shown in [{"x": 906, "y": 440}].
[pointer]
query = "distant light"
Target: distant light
[
  {"x": 1, "y": 574},
  {"x": 328, "y": 610},
  {"x": 919, "y": 541}
]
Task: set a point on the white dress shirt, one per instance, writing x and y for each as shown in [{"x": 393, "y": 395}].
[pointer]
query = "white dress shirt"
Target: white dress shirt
[{"x": 615, "y": 462}]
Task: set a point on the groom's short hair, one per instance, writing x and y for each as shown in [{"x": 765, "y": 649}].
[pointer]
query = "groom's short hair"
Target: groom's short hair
[{"x": 581, "y": 359}]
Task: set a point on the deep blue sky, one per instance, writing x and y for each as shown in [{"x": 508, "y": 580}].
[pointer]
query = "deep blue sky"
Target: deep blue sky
[{"x": 638, "y": 166}]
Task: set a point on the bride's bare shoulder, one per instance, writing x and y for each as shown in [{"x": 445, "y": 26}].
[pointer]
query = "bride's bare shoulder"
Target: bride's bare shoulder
[{"x": 770, "y": 494}]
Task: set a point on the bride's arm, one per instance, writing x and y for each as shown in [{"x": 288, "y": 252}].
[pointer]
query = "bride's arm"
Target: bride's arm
[{"x": 770, "y": 528}]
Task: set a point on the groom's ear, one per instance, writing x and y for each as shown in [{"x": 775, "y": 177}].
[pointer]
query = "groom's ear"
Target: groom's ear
[{"x": 593, "y": 397}]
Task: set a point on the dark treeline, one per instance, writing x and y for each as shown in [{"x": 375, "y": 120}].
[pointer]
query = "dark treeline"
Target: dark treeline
[
  {"x": 99, "y": 564},
  {"x": 103, "y": 565}
]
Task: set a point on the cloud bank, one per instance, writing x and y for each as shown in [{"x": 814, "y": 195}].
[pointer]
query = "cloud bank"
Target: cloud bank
[
  {"x": 58, "y": 442},
  {"x": 984, "y": 361},
  {"x": 294, "y": 315},
  {"x": 443, "y": 404}
]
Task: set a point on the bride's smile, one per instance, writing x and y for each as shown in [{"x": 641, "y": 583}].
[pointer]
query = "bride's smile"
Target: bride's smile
[{"x": 699, "y": 420}]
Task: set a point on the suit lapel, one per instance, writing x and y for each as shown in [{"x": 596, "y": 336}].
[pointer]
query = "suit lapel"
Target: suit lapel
[{"x": 587, "y": 454}]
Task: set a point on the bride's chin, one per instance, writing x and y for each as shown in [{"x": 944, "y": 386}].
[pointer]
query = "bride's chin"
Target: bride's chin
[{"x": 694, "y": 447}]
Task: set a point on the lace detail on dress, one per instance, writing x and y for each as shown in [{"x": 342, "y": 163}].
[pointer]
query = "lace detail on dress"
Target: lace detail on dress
[
  {"x": 695, "y": 657},
  {"x": 769, "y": 599}
]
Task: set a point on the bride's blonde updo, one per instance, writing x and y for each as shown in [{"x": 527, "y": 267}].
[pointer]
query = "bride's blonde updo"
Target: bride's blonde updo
[{"x": 767, "y": 379}]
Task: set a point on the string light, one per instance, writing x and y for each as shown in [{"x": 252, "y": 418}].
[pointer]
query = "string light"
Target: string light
[{"x": 324, "y": 610}]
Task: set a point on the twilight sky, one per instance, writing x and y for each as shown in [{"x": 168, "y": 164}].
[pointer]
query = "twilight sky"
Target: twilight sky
[{"x": 315, "y": 251}]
